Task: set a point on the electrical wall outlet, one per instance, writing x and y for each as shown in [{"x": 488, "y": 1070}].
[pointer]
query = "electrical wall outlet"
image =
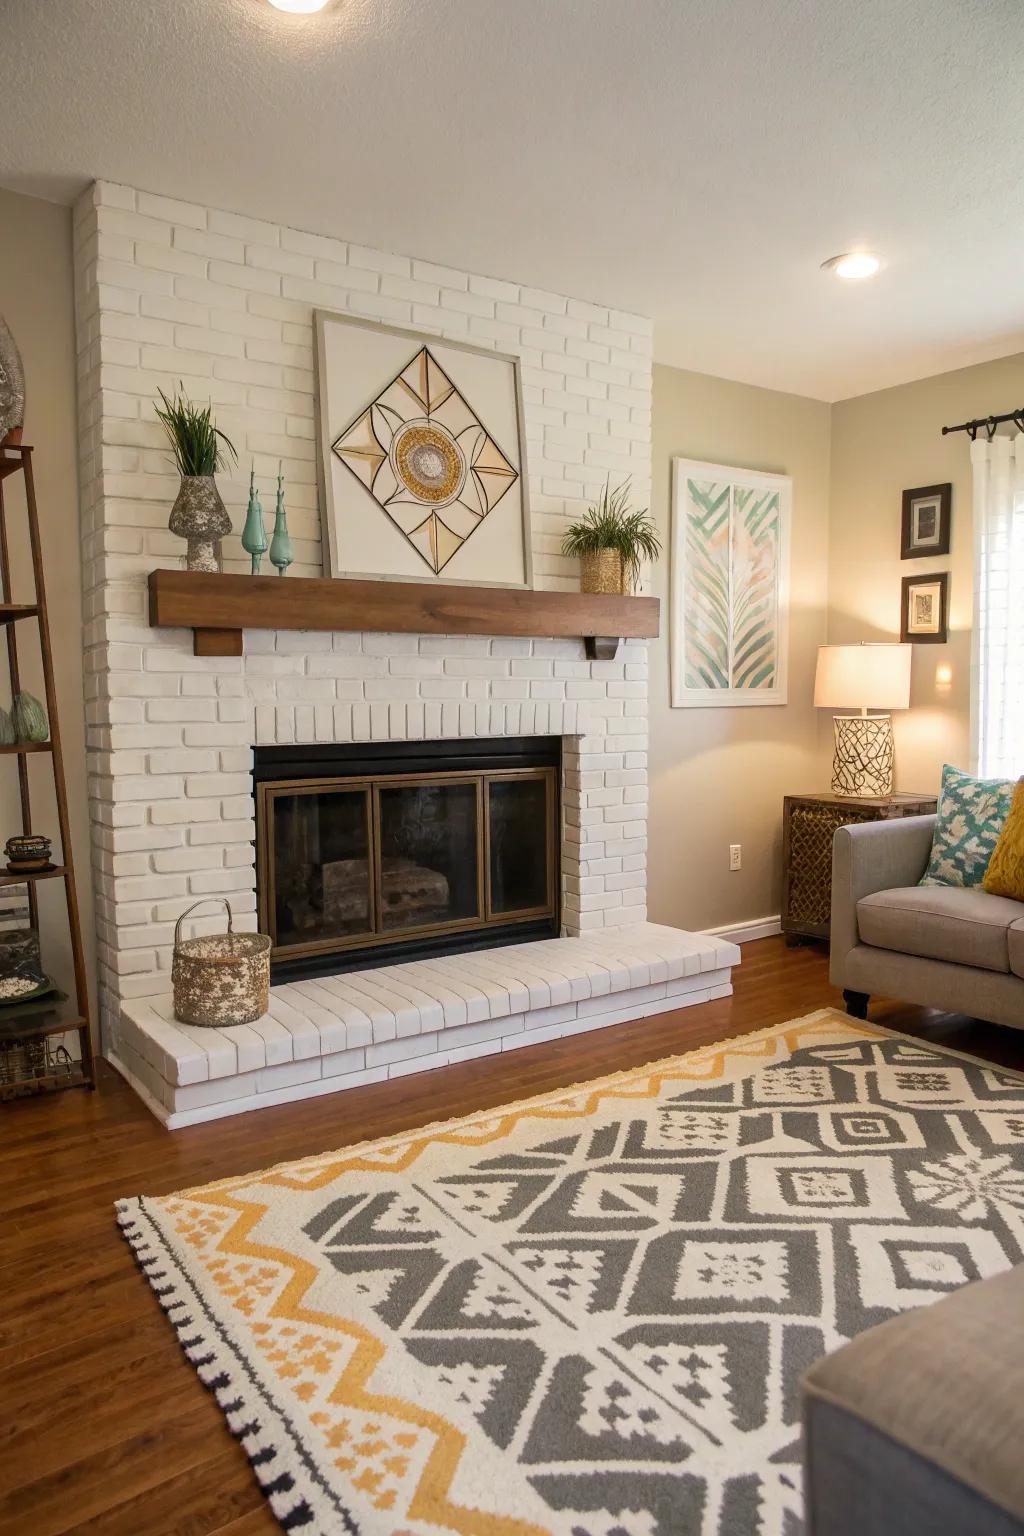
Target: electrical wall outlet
[{"x": 735, "y": 856}]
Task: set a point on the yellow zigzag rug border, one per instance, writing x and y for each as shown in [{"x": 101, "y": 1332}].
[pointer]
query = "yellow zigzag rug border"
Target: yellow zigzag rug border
[{"x": 365, "y": 1154}]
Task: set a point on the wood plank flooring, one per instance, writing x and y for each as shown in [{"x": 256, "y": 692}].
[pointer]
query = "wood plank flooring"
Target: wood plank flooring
[{"x": 104, "y": 1428}]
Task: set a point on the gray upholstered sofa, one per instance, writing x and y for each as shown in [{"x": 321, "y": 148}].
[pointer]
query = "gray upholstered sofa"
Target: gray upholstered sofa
[
  {"x": 916, "y": 1428},
  {"x": 940, "y": 946}
]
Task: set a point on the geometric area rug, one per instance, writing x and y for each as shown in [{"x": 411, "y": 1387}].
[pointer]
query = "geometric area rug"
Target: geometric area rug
[{"x": 588, "y": 1313}]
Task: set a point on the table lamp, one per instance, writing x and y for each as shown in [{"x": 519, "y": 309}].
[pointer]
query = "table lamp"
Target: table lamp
[{"x": 863, "y": 677}]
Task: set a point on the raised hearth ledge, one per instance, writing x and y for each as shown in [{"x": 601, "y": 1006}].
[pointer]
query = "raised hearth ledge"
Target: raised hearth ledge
[
  {"x": 336, "y": 1032},
  {"x": 218, "y": 608}
]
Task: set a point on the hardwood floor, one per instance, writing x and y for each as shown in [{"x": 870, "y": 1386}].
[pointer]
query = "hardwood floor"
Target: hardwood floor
[{"x": 104, "y": 1428}]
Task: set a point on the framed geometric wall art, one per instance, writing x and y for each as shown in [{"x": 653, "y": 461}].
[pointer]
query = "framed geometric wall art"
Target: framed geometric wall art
[
  {"x": 925, "y": 523},
  {"x": 729, "y": 585},
  {"x": 422, "y": 457}
]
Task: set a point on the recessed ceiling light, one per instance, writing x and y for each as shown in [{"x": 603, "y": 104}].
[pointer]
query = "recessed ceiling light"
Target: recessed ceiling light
[
  {"x": 300, "y": 7},
  {"x": 853, "y": 266}
]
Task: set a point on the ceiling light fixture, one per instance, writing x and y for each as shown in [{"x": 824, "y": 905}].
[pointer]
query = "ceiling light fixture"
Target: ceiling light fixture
[
  {"x": 299, "y": 7},
  {"x": 853, "y": 266}
]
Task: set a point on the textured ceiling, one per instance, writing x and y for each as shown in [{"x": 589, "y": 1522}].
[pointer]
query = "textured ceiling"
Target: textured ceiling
[{"x": 691, "y": 159}]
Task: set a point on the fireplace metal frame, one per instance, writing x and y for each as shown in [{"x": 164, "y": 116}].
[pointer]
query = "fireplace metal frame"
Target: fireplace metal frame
[{"x": 369, "y": 773}]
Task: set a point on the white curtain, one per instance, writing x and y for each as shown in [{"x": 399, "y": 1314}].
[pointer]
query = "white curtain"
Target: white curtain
[{"x": 998, "y": 694}]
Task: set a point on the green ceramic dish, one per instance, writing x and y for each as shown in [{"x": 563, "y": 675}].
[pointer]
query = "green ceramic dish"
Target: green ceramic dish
[{"x": 39, "y": 990}]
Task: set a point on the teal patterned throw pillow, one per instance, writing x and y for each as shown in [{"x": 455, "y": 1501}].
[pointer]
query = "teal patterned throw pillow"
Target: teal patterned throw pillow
[{"x": 970, "y": 818}]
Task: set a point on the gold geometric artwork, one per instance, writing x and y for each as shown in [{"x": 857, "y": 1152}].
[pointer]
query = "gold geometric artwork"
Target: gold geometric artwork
[{"x": 428, "y": 461}]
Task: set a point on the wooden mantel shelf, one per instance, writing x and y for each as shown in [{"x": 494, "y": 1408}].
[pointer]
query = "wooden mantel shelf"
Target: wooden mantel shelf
[{"x": 218, "y": 608}]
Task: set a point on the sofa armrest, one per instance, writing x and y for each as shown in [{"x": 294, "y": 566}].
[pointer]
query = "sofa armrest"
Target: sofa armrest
[
  {"x": 915, "y": 1426},
  {"x": 867, "y": 857}
]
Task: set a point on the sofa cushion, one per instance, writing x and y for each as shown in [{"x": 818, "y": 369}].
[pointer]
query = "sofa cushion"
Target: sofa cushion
[
  {"x": 941, "y": 922},
  {"x": 1005, "y": 873},
  {"x": 1016, "y": 947},
  {"x": 972, "y": 813}
]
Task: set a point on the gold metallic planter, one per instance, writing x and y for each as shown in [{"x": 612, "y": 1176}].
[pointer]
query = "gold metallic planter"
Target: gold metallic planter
[{"x": 602, "y": 571}]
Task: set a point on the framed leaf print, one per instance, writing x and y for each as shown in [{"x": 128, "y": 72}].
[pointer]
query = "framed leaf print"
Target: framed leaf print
[
  {"x": 422, "y": 457},
  {"x": 730, "y": 585}
]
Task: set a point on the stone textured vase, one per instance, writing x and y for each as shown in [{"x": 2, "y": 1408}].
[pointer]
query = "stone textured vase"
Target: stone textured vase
[
  {"x": 12, "y": 388},
  {"x": 602, "y": 571},
  {"x": 200, "y": 517}
]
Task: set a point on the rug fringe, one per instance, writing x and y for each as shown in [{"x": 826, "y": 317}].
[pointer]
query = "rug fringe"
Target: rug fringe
[{"x": 234, "y": 1397}]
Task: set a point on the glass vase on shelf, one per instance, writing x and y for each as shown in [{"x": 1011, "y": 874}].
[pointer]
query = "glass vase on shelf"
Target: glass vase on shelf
[
  {"x": 281, "y": 555},
  {"x": 254, "y": 534}
]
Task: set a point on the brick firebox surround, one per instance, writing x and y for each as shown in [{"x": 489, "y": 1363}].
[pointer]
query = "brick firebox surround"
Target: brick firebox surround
[{"x": 170, "y": 291}]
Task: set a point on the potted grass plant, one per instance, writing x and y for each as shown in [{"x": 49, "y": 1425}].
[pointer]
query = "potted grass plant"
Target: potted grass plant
[
  {"x": 200, "y": 449},
  {"x": 612, "y": 540}
]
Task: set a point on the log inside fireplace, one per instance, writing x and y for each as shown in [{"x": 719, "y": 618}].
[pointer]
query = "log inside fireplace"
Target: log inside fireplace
[{"x": 373, "y": 852}]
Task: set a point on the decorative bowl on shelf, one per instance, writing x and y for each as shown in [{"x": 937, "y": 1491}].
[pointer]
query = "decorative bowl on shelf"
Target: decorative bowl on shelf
[
  {"x": 27, "y": 853},
  {"x": 22, "y": 989}
]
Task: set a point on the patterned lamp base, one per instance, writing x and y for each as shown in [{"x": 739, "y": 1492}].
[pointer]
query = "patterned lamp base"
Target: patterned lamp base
[{"x": 864, "y": 755}]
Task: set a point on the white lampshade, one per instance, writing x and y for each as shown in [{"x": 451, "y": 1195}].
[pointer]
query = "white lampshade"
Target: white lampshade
[{"x": 863, "y": 677}]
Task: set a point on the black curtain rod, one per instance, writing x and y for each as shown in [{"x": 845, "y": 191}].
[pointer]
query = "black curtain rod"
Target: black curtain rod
[{"x": 988, "y": 423}]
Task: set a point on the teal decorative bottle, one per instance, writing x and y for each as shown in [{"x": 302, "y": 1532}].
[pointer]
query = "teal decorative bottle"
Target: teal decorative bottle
[
  {"x": 280, "y": 545},
  {"x": 254, "y": 534}
]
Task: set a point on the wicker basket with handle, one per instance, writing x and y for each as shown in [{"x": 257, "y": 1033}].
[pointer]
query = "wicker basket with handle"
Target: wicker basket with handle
[{"x": 221, "y": 978}]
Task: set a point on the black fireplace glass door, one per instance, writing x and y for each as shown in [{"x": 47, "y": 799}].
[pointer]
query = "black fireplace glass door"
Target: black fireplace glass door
[
  {"x": 519, "y": 839},
  {"x": 322, "y": 872},
  {"x": 429, "y": 853}
]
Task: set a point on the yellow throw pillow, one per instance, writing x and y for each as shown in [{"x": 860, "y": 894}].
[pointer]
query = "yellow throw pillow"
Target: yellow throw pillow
[{"x": 1005, "y": 873}]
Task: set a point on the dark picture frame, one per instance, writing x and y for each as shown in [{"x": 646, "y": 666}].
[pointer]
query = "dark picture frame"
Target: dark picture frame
[
  {"x": 927, "y": 518},
  {"x": 932, "y": 607}
]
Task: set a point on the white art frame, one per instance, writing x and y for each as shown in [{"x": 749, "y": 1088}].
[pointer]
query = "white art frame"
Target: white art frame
[
  {"x": 713, "y": 586},
  {"x": 368, "y": 413}
]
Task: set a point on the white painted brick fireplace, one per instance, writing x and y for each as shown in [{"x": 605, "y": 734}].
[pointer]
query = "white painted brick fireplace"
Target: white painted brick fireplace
[{"x": 170, "y": 291}]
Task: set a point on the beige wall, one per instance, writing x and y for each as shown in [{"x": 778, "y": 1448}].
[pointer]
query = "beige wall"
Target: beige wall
[
  {"x": 718, "y": 775},
  {"x": 882, "y": 444},
  {"x": 37, "y": 299}
]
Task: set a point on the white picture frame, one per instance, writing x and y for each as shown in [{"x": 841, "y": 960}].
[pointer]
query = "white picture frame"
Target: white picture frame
[
  {"x": 470, "y": 439},
  {"x": 729, "y": 557}
]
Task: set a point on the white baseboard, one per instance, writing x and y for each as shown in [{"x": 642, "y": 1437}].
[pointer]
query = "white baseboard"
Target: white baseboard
[{"x": 753, "y": 928}]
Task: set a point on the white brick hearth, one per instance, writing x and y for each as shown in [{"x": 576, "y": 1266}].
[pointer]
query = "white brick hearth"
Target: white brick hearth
[
  {"x": 341, "y": 1032},
  {"x": 169, "y": 291}
]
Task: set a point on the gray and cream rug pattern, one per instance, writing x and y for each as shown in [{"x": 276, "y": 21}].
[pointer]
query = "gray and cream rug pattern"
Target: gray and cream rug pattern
[{"x": 587, "y": 1314}]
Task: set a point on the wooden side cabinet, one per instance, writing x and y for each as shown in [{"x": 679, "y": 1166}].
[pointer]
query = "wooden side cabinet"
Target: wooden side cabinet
[{"x": 809, "y": 824}]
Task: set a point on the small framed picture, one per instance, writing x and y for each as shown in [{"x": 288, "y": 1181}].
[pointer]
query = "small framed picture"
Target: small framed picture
[
  {"x": 925, "y": 603},
  {"x": 926, "y": 519}
]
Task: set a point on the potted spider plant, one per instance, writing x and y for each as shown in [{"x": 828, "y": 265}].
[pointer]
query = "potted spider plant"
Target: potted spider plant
[
  {"x": 200, "y": 449},
  {"x": 612, "y": 540}
]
